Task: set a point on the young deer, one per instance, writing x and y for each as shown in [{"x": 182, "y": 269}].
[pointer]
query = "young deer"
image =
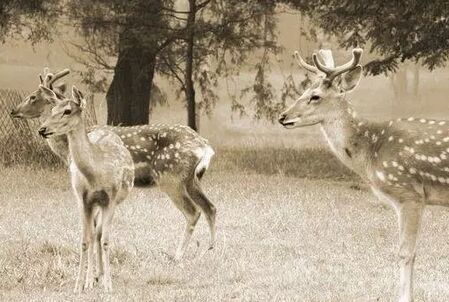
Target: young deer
[
  {"x": 174, "y": 157},
  {"x": 406, "y": 161},
  {"x": 102, "y": 173}
]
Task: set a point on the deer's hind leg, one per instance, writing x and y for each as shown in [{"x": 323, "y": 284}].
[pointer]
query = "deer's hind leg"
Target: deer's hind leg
[
  {"x": 201, "y": 200},
  {"x": 180, "y": 197}
]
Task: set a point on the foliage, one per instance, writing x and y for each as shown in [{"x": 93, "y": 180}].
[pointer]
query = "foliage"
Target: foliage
[
  {"x": 28, "y": 19},
  {"x": 398, "y": 30}
]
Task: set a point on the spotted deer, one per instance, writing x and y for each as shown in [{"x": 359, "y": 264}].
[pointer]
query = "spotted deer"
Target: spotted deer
[
  {"x": 102, "y": 175},
  {"x": 174, "y": 157},
  {"x": 405, "y": 161}
]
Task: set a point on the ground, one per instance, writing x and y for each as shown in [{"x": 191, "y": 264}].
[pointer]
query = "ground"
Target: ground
[{"x": 280, "y": 238}]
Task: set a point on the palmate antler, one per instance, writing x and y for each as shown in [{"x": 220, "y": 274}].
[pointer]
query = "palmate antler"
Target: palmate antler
[{"x": 328, "y": 69}]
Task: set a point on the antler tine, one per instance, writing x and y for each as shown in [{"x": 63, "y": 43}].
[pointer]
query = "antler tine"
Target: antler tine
[
  {"x": 331, "y": 73},
  {"x": 57, "y": 76},
  {"x": 356, "y": 57},
  {"x": 328, "y": 71},
  {"x": 304, "y": 64}
]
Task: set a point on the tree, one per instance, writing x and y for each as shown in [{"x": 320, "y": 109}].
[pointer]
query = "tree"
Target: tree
[
  {"x": 397, "y": 30},
  {"x": 218, "y": 38},
  {"x": 27, "y": 19},
  {"x": 131, "y": 33}
]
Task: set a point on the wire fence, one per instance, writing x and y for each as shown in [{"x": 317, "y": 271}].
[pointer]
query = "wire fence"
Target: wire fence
[{"x": 19, "y": 140}]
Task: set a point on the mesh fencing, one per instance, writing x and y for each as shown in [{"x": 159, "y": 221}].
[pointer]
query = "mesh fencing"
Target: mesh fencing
[{"x": 20, "y": 142}]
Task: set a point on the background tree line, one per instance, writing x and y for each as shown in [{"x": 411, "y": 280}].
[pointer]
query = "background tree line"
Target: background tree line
[{"x": 197, "y": 43}]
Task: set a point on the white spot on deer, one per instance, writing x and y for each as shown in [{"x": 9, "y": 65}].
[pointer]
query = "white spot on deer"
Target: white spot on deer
[
  {"x": 400, "y": 140},
  {"x": 443, "y": 156},
  {"x": 395, "y": 164},
  {"x": 390, "y": 123},
  {"x": 122, "y": 136},
  {"x": 433, "y": 177},
  {"x": 142, "y": 139},
  {"x": 360, "y": 124},
  {"x": 176, "y": 154},
  {"x": 439, "y": 131},
  {"x": 132, "y": 148},
  {"x": 164, "y": 134},
  {"x": 167, "y": 156},
  {"x": 446, "y": 169},
  {"x": 437, "y": 143},
  {"x": 128, "y": 135},
  {"x": 366, "y": 133},
  {"x": 442, "y": 180},
  {"x": 382, "y": 132},
  {"x": 385, "y": 164},
  {"x": 441, "y": 123},
  {"x": 401, "y": 168},
  {"x": 171, "y": 146},
  {"x": 431, "y": 122},
  {"x": 137, "y": 146},
  {"x": 149, "y": 157},
  {"x": 411, "y": 119},
  {"x": 177, "y": 145},
  {"x": 423, "y": 120},
  {"x": 390, "y": 138},
  {"x": 427, "y": 140}
]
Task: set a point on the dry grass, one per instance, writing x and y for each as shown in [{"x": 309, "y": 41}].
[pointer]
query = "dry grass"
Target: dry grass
[{"x": 279, "y": 239}]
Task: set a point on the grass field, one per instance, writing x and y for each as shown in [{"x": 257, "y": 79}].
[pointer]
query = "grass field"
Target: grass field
[{"x": 281, "y": 237}]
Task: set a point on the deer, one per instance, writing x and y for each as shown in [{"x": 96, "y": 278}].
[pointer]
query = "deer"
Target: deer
[
  {"x": 102, "y": 175},
  {"x": 404, "y": 161},
  {"x": 173, "y": 157}
]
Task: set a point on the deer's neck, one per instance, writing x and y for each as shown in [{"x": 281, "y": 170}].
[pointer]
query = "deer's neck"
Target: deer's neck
[
  {"x": 345, "y": 133},
  {"x": 82, "y": 152}
]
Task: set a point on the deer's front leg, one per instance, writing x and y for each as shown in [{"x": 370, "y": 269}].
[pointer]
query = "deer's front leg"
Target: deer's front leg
[
  {"x": 86, "y": 241},
  {"x": 409, "y": 223}
]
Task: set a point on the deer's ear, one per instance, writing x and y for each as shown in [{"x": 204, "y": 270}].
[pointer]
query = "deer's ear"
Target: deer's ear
[
  {"x": 61, "y": 88},
  {"x": 48, "y": 94},
  {"x": 78, "y": 97},
  {"x": 350, "y": 80}
]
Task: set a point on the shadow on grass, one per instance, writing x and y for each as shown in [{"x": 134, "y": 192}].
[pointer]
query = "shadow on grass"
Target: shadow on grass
[{"x": 312, "y": 163}]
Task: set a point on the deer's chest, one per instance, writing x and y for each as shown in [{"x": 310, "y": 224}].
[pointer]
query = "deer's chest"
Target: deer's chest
[{"x": 350, "y": 153}]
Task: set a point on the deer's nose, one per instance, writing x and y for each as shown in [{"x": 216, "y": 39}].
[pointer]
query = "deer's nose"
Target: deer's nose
[
  {"x": 282, "y": 118},
  {"x": 13, "y": 113}
]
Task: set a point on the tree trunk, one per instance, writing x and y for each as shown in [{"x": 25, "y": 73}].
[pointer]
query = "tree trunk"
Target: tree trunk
[
  {"x": 190, "y": 89},
  {"x": 128, "y": 96}
]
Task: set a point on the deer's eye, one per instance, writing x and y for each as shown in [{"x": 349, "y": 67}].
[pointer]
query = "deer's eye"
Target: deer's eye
[
  {"x": 32, "y": 98},
  {"x": 67, "y": 112},
  {"x": 314, "y": 98}
]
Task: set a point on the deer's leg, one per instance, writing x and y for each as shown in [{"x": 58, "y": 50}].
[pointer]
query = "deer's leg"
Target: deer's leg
[
  {"x": 98, "y": 249},
  {"x": 108, "y": 213},
  {"x": 86, "y": 217},
  {"x": 209, "y": 210},
  {"x": 90, "y": 235},
  {"x": 409, "y": 223},
  {"x": 184, "y": 203}
]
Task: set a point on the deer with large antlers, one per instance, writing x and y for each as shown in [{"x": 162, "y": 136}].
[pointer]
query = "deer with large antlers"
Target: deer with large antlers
[
  {"x": 102, "y": 173},
  {"x": 174, "y": 157},
  {"x": 405, "y": 161}
]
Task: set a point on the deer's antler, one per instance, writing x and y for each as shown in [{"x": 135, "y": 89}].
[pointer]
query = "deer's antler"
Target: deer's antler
[
  {"x": 49, "y": 78},
  {"x": 331, "y": 73}
]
